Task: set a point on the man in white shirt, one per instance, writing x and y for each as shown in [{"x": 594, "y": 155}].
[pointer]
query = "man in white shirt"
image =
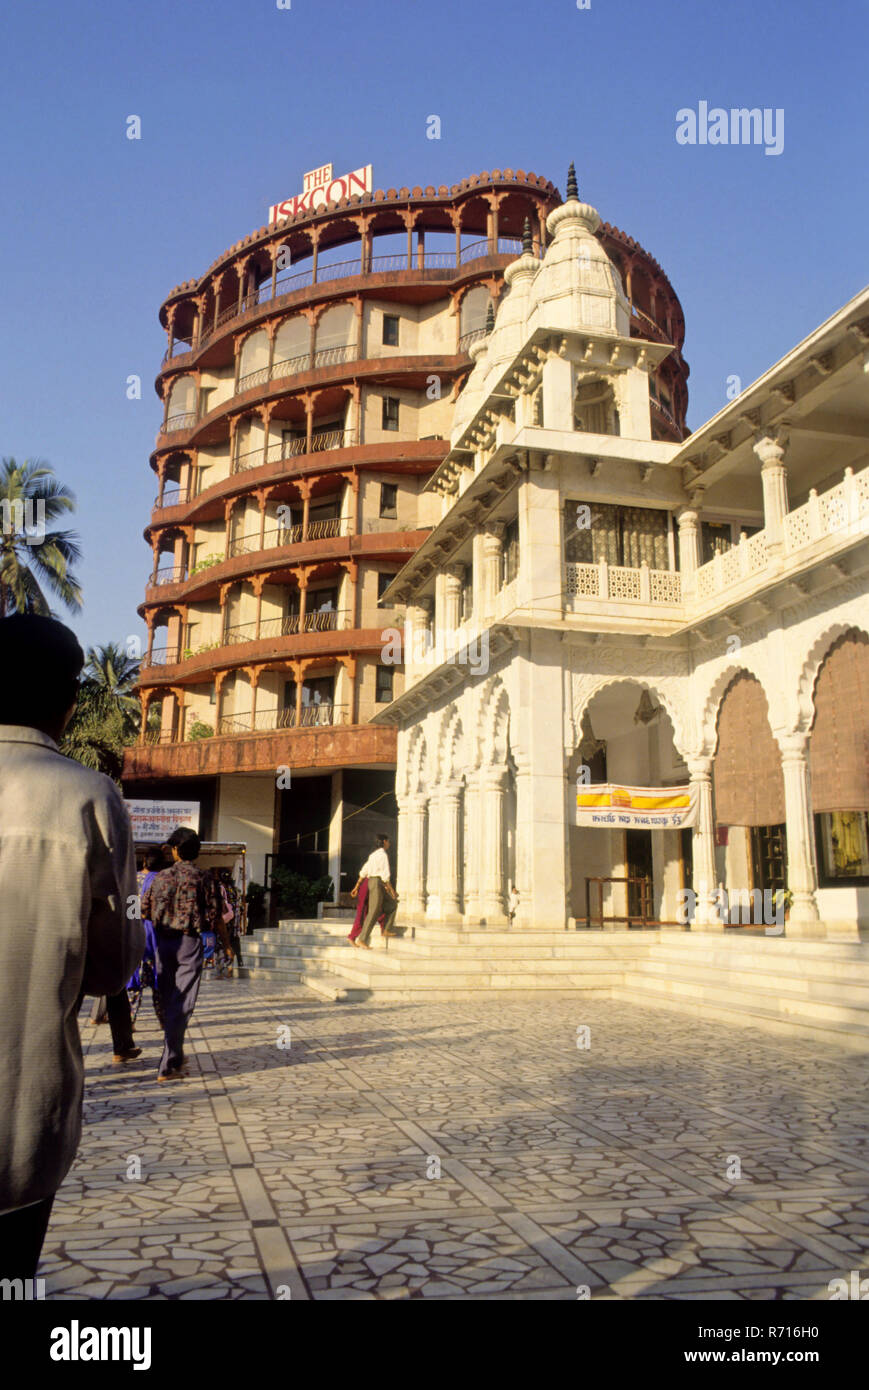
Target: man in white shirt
[
  {"x": 381, "y": 894},
  {"x": 67, "y": 870}
]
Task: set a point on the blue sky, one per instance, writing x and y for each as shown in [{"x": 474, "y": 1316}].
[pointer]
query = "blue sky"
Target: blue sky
[{"x": 238, "y": 98}]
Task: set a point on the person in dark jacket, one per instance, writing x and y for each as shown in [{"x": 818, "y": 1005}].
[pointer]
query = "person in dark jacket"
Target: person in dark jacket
[{"x": 182, "y": 902}]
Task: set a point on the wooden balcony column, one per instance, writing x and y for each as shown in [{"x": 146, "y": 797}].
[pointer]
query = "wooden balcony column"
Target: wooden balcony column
[
  {"x": 302, "y": 581},
  {"x": 219, "y": 678},
  {"x": 228, "y": 508},
  {"x": 304, "y": 489},
  {"x": 365, "y": 241},
  {"x": 275, "y": 253},
  {"x": 300, "y": 670},
  {"x": 456, "y": 218},
  {"x": 258, "y": 584},
  {"x": 261, "y": 496},
  {"x": 241, "y": 266},
  {"x": 178, "y": 714},
  {"x": 351, "y": 569},
  {"x": 349, "y": 664},
  {"x": 234, "y": 421},
  {"x": 359, "y": 307},
  {"x": 272, "y": 329},
  {"x": 217, "y": 285},
  {"x": 161, "y": 474},
  {"x": 196, "y": 335},
  {"x": 155, "y": 551},
  {"x": 308, "y": 401},
  {"x": 409, "y": 221},
  {"x": 265, "y": 412},
  {"x": 420, "y": 248},
  {"x": 494, "y": 202},
  {"x": 145, "y": 697},
  {"x": 236, "y": 348},
  {"x": 150, "y": 619},
  {"x": 315, "y": 253},
  {"x": 170, "y": 331},
  {"x": 351, "y": 480}
]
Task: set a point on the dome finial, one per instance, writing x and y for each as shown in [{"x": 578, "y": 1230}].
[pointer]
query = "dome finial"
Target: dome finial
[
  {"x": 572, "y": 186},
  {"x": 527, "y": 242},
  {"x": 490, "y": 317}
]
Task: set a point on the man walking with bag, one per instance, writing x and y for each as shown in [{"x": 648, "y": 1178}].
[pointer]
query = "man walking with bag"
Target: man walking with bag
[{"x": 182, "y": 902}]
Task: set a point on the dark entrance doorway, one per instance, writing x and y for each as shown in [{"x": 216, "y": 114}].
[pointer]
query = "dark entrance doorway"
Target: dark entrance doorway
[
  {"x": 769, "y": 856},
  {"x": 638, "y": 857}
]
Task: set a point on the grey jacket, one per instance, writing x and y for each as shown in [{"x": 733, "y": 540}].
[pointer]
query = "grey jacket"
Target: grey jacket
[{"x": 67, "y": 870}]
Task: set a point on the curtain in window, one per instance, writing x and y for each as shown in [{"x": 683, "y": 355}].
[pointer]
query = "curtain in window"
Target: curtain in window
[{"x": 620, "y": 535}]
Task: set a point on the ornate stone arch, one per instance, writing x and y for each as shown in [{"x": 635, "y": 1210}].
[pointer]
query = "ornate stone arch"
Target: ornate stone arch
[
  {"x": 493, "y": 723},
  {"x": 416, "y": 763},
  {"x": 708, "y": 720},
  {"x": 811, "y": 667},
  {"x": 450, "y": 760},
  {"x": 666, "y": 697}
]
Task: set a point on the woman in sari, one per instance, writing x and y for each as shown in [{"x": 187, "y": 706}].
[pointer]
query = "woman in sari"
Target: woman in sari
[{"x": 361, "y": 903}]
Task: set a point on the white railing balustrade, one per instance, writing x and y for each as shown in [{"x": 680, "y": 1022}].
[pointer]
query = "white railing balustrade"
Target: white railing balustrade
[
  {"x": 621, "y": 582},
  {"x": 841, "y": 510}
]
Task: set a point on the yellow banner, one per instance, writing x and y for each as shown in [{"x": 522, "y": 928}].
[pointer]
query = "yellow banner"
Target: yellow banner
[{"x": 608, "y": 805}]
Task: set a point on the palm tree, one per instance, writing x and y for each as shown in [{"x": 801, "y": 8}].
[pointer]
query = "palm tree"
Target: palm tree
[
  {"x": 32, "y": 498},
  {"x": 111, "y": 675},
  {"x": 107, "y": 715}
]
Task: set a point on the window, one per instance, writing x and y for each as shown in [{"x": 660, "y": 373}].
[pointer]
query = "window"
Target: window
[
  {"x": 383, "y": 692},
  {"x": 716, "y": 537},
  {"x": 389, "y": 417},
  {"x": 510, "y": 553},
  {"x": 389, "y": 499},
  {"x": 843, "y": 844},
  {"x": 620, "y": 535},
  {"x": 384, "y": 580},
  {"x": 390, "y": 329}
]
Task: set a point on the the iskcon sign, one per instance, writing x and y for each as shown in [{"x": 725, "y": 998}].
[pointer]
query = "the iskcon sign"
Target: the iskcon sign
[{"x": 320, "y": 188}]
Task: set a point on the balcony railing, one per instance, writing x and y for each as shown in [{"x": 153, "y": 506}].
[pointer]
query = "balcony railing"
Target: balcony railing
[
  {"x": 169, "y": 574},
  {"x": 637, "y": 585},
  {"x": 339, "y": 270},
  {"x": 839, "y": 514},
  {"x": 173, "y": 499},
  {"x": 323, "y": 715},
  {"x": 331, "y": 356},
  {"x": 184, "y": 421},
  {"x": 472, "y": 336},
  {"x": 289, "y": 366}
]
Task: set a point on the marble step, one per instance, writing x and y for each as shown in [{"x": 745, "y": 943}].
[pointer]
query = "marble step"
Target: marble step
[
  {"x": 389, "y": 962},
  {"x": 854, "y": 1037},
  {"x": 852, "y": 988},
  {"x": 718, "y": 990}
]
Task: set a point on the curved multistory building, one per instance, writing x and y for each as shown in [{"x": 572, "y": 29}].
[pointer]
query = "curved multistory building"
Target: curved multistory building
[{"x": 308, "y": 389}]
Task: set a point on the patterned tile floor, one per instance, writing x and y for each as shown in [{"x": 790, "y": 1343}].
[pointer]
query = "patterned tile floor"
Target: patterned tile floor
[{"x": 463, "y": 1151}]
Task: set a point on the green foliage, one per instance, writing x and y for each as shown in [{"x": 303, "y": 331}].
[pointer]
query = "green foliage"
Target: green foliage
[
  {"x": 107, "y": 715},
  {"x": 298, "y": 894},
  {"x": 199, "y": 730},
  {"x": 206, "y": 562},
  {"x": 31, "y": 496}
]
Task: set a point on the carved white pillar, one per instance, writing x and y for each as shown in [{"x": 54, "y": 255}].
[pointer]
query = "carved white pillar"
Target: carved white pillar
[
  {"x": 802, "y": 877},
  {"x": 492, "y": 886},
  {"x": 450, "y": 850},
  {"x": 490, "y": 579},
  {"x": 412, "y": 860},
  {"x": 706, "y": 914},
  {"x": 452, "y": 597},
  {"x": 433, "y": 869},
  {"x": 774, "y": 478},
  {"x": 689, "y": 540},
  {"x": 472, "y": 848}
]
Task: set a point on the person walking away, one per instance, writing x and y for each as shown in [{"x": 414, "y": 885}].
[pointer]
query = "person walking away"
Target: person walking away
[
  {"x": 381, "y": 894},
  {"x": 361, "y": 902},
  {"x": 67, "y": 877},
  {"x": 513, "y": 903},
  {"x": 182, "y": 902}
]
